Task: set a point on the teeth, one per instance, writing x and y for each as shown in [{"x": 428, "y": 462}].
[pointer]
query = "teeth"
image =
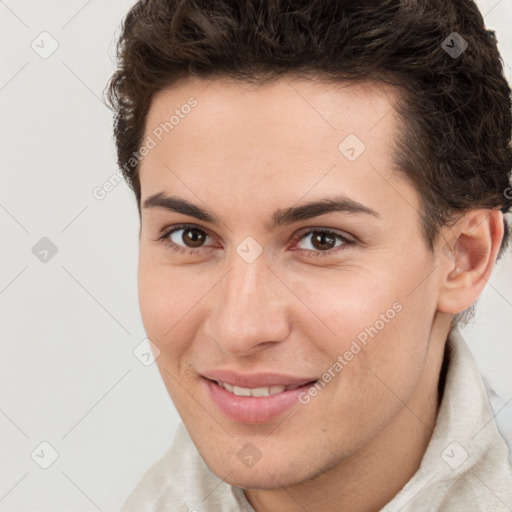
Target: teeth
[
  {"x": 276, "y": 389},
  {"x": 229, "y": 387},
  {"x": 258, "y": 392},
  {"x": 241, "y": 391}
]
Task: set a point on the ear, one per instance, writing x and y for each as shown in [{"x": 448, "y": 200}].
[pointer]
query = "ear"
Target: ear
[{"x": 468, "y": 258}]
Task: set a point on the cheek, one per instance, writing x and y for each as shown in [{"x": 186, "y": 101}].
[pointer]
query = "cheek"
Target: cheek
[
  {"x": 394, "y": 348},
  {"x": 343, "y": 303},
  {"x": 377, "y": 319},
  {"x": 163, "y": 301}
]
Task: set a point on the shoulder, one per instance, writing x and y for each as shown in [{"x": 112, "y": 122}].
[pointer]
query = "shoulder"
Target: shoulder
[{"x": 467, "y": 463}]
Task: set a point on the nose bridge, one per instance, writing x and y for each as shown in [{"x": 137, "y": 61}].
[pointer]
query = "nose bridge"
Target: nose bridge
[{"x": 248, "y": 308}]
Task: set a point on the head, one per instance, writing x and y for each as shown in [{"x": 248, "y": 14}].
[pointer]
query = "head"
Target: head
[{"x": 342, "y": 179}]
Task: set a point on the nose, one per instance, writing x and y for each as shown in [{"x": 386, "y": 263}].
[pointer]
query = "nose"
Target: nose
[{"x": 250, "y": 308}]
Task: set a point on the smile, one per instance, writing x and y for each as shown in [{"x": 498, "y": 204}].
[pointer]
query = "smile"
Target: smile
[
  {"x": 257, "y": 392},
  {"x": 254, "y": 405}
]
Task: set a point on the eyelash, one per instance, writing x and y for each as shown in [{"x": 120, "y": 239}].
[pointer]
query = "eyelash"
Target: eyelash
[{"x": 164, "y": 239}]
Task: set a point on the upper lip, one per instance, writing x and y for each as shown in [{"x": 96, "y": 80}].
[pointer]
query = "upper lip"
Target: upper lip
[{"x": 256, "y": 380}]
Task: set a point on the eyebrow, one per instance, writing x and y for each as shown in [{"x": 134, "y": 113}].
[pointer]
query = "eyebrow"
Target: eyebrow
[{"x": 284, "y": 216}]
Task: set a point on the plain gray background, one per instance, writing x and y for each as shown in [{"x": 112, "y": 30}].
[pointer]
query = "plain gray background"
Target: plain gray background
[{"x": 70, "y": 319}]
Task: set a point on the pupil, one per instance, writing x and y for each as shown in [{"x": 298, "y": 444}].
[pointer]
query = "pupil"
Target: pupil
[
  {"x": 321, "y": 239},
  {"x": 193, "y": 236}
]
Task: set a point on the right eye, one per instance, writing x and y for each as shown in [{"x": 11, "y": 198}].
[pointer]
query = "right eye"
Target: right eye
[{"x": 179, "y": 236}]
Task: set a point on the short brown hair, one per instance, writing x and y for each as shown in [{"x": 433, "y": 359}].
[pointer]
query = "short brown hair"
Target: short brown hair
[{"x": 456, "y": 105}]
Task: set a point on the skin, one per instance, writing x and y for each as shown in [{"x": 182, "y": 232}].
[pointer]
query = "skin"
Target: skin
[{"x": 242, "y": 153}]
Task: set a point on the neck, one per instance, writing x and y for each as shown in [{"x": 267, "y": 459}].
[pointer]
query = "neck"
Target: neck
[{"x": 370, "y": 478}]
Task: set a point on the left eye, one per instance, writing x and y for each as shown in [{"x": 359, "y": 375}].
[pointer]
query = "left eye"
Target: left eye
[{"x": 323, "y": 240}]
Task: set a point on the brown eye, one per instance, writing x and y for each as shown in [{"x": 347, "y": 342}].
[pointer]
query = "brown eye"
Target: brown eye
[
  {"x": 193, "y": 237},
  {"x": 185, "y": 238},
  {"x": 322, "y": 242}
]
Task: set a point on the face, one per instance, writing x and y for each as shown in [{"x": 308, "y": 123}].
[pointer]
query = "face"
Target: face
[{"x": 286, "y": 329}]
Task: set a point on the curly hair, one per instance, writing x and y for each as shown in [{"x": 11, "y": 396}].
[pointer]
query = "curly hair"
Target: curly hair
[{"x": 455, "y": 107}]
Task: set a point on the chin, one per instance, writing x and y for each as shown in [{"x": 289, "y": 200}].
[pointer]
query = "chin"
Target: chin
[
  {"x": 250, "y": 481},
  {"x": 268, "y": 473},
  {"x": 265, "y": 478}
]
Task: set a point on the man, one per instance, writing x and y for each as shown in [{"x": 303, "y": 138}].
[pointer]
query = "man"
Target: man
[{"x": 321, "y": 187}]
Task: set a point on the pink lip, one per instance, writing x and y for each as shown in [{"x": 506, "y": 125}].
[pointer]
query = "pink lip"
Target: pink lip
[{"x": 250, "y": 409}]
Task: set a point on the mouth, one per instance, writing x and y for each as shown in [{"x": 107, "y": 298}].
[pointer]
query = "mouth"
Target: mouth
[
  {"x": 254, "y": 405},
  {"x": 260, "y": 391}
]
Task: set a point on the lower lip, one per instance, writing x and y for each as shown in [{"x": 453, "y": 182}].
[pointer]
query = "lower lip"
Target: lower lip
[{"x": 251, "y": 409}]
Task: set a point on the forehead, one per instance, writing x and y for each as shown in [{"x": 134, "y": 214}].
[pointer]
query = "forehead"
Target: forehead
[
  {"x": 287, "y": 108},
  {"x": 284, "y": 139}
]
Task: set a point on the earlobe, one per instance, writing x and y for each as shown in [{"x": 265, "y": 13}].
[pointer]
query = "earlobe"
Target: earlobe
[{"x": 475, "y": 244}]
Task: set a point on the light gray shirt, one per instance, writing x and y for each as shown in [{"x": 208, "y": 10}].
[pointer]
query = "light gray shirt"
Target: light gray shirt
[{"x": 465, "y": 468}]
